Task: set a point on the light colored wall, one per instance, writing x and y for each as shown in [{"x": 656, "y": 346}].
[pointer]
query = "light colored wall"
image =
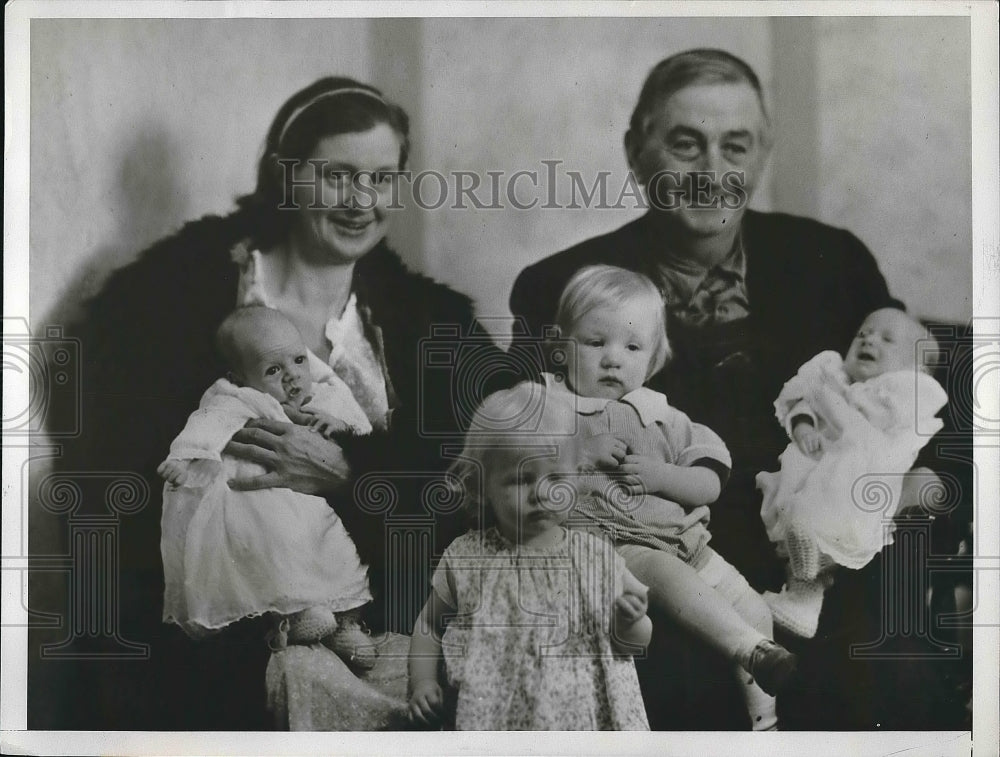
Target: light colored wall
[
  {"x": 895, "y": 151},
  {"x": 140, "y": 125},
  {"x": 510, "y": 93}
]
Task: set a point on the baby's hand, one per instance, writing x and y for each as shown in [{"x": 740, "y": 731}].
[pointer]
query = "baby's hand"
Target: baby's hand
[
  {"x": 629, "y": 608},
  {"x": 327, "y": 426},
  {"x": 643, "y": 475},
  {"x": 192, "y": 474},
  {"x": 602, "y": 451},
  {"x": 426, "y": 702},
  {"x": 808, "y": 440}
]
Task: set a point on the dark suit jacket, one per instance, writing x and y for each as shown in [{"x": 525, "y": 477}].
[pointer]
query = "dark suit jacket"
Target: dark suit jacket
[{"x": 809, "y": 288}]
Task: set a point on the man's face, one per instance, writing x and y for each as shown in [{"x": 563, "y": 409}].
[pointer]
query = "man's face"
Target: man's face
[{"x": 701, "y": 155}]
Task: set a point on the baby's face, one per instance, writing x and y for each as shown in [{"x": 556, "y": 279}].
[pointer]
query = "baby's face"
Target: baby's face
[
  {"x": 885, "y": 342},
  {"x": 528, "y": 496},
  {"x": 614, "y": 349},
  {"x": 275, "y": 361}
]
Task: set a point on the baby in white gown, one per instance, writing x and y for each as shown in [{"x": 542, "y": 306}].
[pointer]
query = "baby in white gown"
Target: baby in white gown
[
  {"x": 855, "y": 422},
  {"x": 231, "y": 554}
]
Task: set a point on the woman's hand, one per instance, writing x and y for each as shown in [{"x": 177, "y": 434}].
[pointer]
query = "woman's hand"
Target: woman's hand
[{"x": 296, "y": 458}]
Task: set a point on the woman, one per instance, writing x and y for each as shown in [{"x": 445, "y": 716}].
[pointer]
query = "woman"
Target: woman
[{"x": 310, "y": 242}]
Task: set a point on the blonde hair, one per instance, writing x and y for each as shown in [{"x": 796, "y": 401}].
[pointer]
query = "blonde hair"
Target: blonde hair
[
  {"x": 521, "y": 422},
  {"x": 600, "y": 285}
]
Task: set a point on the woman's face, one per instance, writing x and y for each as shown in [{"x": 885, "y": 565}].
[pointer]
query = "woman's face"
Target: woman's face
[{"x": 341, "y": 193}]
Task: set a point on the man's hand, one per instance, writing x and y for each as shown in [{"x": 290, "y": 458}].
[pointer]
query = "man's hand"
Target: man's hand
[
  {"x": 808, "y": 439},
  {"x": 296, "y": 458},
  {"x": 601, "y": 451},
  {"x": 193, "y": 474},
  {"x": 426, "y": 702}
]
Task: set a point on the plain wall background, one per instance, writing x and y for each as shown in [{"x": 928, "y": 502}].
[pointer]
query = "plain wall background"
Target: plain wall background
[{"x": 140, "y": 125}]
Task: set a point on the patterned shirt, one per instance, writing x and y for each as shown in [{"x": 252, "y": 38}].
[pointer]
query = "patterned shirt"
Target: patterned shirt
[{"x": 697, "y": 296}]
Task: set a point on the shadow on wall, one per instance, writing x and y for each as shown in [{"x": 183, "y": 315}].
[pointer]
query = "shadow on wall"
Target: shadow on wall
[{"x": 147, "y": 202}]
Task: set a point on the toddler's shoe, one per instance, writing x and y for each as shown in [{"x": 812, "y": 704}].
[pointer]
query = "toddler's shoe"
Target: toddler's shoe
[
  {"x": 353, "y": 643},
  {"x": 772, "y": 666},
  {"x": 311, "y": 625},
  {"x": 796, "y": 609}
]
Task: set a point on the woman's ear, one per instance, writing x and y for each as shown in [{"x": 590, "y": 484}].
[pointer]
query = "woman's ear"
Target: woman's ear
[{"x": 275, "y": 169}]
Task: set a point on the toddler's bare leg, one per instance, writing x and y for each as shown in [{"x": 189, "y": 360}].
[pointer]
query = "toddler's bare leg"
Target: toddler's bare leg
[
  {"x": 768, "y": 663},
  {"x": 676, "y": 589}
]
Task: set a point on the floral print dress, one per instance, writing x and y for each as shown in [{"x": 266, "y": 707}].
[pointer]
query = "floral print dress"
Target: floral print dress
[{"x": 530, "y": 645}]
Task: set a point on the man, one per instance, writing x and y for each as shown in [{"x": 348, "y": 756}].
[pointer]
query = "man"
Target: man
[{"x": 750, "y": 296}]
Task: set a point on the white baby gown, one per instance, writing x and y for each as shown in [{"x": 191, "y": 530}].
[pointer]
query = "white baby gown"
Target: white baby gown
[
  {"x": 234, "y": 554},
  {"x": 872, "y": 431}
]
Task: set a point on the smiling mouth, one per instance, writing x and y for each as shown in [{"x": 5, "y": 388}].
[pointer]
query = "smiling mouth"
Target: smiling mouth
[{"x": 350, "y": 225}]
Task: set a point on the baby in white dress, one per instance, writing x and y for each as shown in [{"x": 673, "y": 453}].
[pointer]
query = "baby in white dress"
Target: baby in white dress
[
  {"x": 855, "y": 422},
  {"x": 231, "y": 554}
]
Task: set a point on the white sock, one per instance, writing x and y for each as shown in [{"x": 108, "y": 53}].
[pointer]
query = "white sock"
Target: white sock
[{"x": 760, "y": 705}]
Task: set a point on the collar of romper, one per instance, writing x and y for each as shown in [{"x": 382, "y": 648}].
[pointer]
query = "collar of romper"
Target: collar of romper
[{"x": 649, "y": 404}]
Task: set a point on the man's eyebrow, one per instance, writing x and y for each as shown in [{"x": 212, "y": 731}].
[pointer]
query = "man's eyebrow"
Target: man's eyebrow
[
  {"x": 685, "y": 130},
  {"x": 682, "y": 129}
]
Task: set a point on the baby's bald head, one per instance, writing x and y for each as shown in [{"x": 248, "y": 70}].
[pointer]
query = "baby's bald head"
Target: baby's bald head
[
  {"x": 265, "y": 352},
  {"x": 249, "y": 329}
]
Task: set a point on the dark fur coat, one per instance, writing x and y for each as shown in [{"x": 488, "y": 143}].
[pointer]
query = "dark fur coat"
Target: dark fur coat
[{"x": 147, "y": 355}]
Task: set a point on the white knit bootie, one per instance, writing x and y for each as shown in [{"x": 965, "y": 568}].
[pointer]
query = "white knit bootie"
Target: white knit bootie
[
  {"x": 310, "y": 625},
  {"x": 796, "y": 609}
]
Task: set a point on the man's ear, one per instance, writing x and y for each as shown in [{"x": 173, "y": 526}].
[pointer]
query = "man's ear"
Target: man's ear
[{"x": 633, "y": 146}]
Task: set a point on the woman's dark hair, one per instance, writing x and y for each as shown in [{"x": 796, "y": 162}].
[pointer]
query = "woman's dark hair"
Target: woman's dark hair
[
  {"x": 700, "y": 66},
  {"x": 330, "y": 106}
]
